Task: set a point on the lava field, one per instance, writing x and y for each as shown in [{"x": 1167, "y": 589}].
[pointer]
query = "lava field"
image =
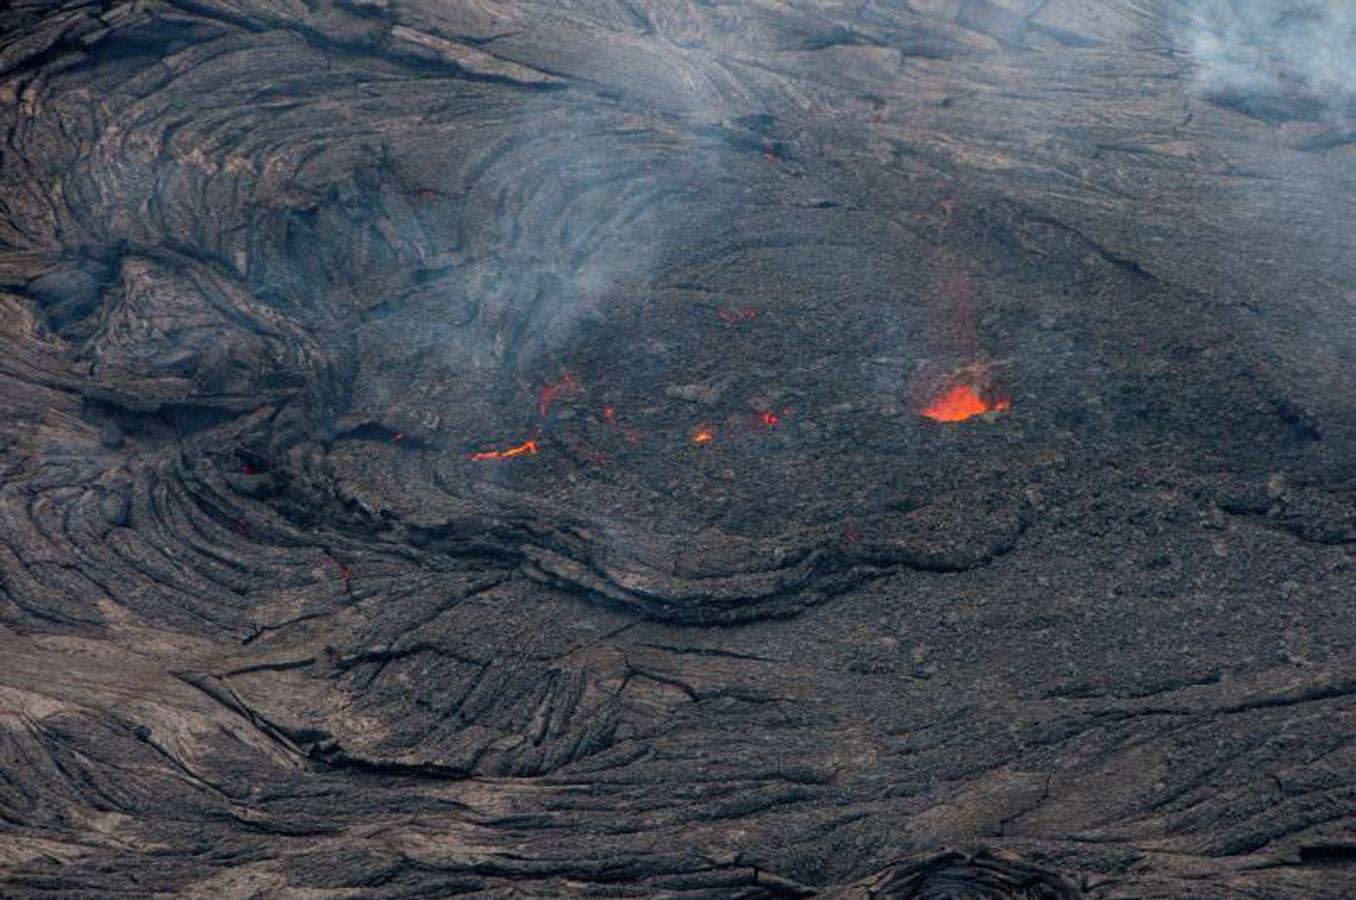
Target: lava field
[{"x": 714, "y": 448}]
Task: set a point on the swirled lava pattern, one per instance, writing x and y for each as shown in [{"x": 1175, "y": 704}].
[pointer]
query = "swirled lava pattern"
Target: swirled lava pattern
[{"x": 659, "y": 448}]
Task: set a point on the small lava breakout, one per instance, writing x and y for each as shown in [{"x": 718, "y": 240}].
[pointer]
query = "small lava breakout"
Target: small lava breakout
[
  {"x": 962, "y": 402},
  {"x": 526, "y": 448}
]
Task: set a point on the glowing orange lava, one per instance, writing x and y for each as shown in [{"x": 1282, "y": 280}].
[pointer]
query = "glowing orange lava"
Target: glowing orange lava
[
  {"x": 703, "y": 435},
  {"x": 960, "y": 403},
  {"x": 526, "y": 448}
]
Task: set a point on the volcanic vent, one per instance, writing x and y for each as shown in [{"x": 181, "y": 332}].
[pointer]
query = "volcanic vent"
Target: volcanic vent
[{"x": 630, "y": 448}]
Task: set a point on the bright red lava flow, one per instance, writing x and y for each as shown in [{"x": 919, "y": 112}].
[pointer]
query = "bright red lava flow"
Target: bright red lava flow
[
  {"x": 526, "y": 448},
  {"x": 960, "y": 403},
  {"x": 768, "y": 418}
]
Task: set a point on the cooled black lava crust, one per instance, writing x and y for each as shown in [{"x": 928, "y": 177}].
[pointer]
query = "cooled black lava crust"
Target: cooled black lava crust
[{"x": 278, "y": 280}]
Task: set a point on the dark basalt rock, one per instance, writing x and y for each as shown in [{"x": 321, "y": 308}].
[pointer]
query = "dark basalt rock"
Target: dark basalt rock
[
  {"x": 480, "y": 448},
  {"x": 955, "y": 875}
]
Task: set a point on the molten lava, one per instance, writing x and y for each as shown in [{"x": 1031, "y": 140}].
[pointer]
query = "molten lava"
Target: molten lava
[
  {"x": 703, "y": 435},
  {"x": 960, "y": 403},
  {"x": 526, "y": 448},
  {"x": 768, "y": 418}
]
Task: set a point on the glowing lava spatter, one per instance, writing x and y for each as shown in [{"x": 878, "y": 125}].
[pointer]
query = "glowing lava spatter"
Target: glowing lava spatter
[
  {"x": 960, "y": 403},
  {"x": 526, "y": 448},
  {"x": 703, "y": 435}
]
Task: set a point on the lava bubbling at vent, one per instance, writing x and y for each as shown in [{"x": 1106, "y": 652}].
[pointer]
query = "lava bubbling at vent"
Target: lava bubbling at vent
[{"x": 961, "y": 402}]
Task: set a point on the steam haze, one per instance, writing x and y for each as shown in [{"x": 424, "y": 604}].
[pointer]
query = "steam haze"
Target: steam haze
[{"x": 1261, "y": 52}]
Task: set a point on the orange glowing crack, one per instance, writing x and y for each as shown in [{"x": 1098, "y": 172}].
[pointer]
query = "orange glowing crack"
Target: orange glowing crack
[
  {"x": 960, "y": 403},
  {"x": 526, "y": 448}
]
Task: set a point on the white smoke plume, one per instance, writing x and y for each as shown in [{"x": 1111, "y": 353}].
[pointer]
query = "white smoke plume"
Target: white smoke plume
[{"x": 1276, "y": 58}]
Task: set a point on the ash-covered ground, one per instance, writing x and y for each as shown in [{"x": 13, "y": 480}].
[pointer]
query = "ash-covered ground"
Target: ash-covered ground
[{"x": 495, "y": 447}]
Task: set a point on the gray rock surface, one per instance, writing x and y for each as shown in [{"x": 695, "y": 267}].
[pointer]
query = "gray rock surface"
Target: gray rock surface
[{"x": 283, "y": 611}]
